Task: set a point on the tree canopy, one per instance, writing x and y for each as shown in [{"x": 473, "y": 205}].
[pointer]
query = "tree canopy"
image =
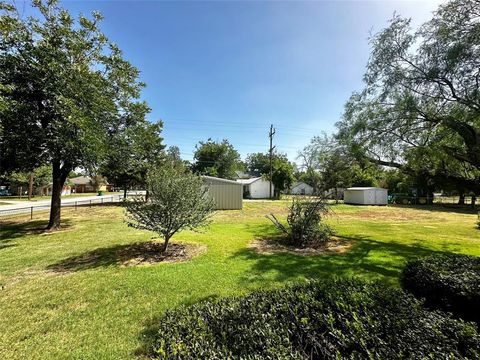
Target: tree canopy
[
  {"x": 258, "y": 164},
  {"x": 218, "y": 159},
  {"x": 420, "y": 108},
  {"x": 65, "y": 89}
]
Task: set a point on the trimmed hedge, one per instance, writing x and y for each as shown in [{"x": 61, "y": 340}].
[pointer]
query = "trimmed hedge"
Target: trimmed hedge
[
  {"x": 318, "y": 320},
  {"x": 447, "y": 282}
]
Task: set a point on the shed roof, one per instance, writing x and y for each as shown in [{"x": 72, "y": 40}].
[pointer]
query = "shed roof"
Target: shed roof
[{"x": 216, "y": 179}]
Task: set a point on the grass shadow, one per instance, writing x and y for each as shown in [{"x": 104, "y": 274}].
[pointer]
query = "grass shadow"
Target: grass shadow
[
  {"x": 140, "y": 253},
  {"x": 11, "y": 230},
  {"x": 387, "y": 262},
  {"x": 447, "y": 208}
]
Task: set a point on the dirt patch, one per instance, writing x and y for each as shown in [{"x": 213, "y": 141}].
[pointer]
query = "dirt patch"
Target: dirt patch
[
  {"x": 151, "y": 253},
  {"x": 138, "y": 254},
  {"x": 336, "y": 245}
]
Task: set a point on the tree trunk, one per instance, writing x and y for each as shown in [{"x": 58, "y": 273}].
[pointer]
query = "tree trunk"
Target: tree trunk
[
  {"x": 474, "y": 200},
  {"x": 165, "y": 245},
  {"x": 58, "y": 180},
  {"x": 336, "y": 195},
  {"x": 30, "y": 186},
  {"x": 124, "y": 191},
  {"x": 461, "y": 199}
]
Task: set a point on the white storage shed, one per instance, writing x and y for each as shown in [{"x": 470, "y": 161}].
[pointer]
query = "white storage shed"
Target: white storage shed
[
  {"x": 227, "y": 194},
  {"x": 365, "y": 196}
]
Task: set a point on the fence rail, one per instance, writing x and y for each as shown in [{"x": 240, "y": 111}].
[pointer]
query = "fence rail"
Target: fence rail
[{"x": 70, "y": 203}]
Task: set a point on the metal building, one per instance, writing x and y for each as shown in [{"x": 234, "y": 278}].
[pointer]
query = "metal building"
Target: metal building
[
  {"x": 365, "y": 196},
  {"x": 227, "y": 194}
]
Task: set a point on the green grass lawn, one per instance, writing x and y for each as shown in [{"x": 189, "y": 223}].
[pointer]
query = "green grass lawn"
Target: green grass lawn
[{"x": 98, "y": 309}]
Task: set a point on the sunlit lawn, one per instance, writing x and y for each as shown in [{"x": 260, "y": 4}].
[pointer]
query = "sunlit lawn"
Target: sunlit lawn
[{"x": 98, "y": 309}]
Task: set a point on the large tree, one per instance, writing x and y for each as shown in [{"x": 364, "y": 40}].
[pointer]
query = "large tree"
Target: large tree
[
  {"x": 132, "y": 151},
  {"x": 282, "y": 169},
  {"x": 215, "y": 158},
  {"x": 64, "y": 89},
  {"x": 420, "y": 109}
]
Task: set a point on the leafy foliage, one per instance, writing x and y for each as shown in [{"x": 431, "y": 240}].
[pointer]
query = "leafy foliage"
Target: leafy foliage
[
  {"x": 65, "y": 88},
  {"x": 330, "y": 165},
  {"x": 420, "y": 108},
  {"x": 346, "y": 319},
  {"x": 258, "y": 164},
  {"x": 131, "y": 152},
  {"x": 305, "y": 226},
  {"x": 218, "y": 159},
  {"x": 447, "y": 282},
  {"x": 177, "y": 200}
]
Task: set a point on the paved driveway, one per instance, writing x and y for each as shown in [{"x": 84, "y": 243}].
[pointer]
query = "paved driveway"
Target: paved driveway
[{"x": 20, "y": 207}]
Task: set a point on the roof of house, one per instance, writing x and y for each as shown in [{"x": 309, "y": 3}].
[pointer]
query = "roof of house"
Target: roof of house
[
  {"x": 216, "y": 179},
  {"x": 298, "y": 183},
  {"x": 248, "y": 181},
  {"x": 80, "y": 180}
]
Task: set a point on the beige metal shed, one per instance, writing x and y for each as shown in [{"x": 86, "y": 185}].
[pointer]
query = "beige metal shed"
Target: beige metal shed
[{"x": 227, "y": 194}]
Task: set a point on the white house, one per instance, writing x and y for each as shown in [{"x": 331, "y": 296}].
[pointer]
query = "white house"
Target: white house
[
  {"x": 366, "y": 196},
  {"x": 301, "y": 188},
  {"x": 256, "y": 188}
]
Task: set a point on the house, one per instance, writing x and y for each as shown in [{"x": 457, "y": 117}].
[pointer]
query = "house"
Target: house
[
  {"x": 301, "y": 188},
  {"x": 227, "y": 194},
  {"x": 366, "y": 196},
  {"x": 256, "y": 188},
  {"x": 84, "y": 184},
  {"x": 46, "y": 190}
]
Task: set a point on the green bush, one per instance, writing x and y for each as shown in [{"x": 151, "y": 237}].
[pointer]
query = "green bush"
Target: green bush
[
  {"x": 305, "y": 223},
  {"x": 335, "y": 319},
  {"x": 447, "y": 282}
]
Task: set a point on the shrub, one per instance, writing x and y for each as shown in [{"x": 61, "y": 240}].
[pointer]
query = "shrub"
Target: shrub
[
  {"x": 305, "y": 226},
  {"x": 335, "y": 319},
  {"x": 447, "y": 282},
  {"x": 178, "y": 200}
]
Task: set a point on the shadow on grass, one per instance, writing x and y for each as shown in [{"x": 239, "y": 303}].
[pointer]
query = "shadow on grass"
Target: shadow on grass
[
  {"x": 11, "y": 230},
  {"x": 447, "y": 208},
  {"x": 367, "y": 257},
  {"x": 140, "y": 253}
]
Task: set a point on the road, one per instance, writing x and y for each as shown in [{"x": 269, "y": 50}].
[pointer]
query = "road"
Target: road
[{"x": 21, "y": 207}]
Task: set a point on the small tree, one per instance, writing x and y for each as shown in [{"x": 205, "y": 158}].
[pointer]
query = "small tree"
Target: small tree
[
  {"x": 305, "y": 225},
  {"x": 177, "y": 200}
]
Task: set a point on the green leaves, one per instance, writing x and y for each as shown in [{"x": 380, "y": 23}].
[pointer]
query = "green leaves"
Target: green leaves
[
  {"x": 422, "y": 91},
  {"x": 178, "y": 200},
  {"x": 340, "y": 319},
  {"x": 219, "y": 159}
]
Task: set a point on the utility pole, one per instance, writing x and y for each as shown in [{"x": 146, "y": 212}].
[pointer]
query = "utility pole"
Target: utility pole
[{"x": 270, "y": 151}]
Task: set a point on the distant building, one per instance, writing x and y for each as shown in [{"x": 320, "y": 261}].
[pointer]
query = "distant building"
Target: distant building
[
  {"x": 301, "y": 188},
  {"x": 366, "y": 196},
  {"x": 256, "y": 188},
  {"x": 84, "y": 184}
]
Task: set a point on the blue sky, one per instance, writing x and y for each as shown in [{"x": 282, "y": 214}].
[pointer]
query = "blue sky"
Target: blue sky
[{"x": 229, "y": 69}]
